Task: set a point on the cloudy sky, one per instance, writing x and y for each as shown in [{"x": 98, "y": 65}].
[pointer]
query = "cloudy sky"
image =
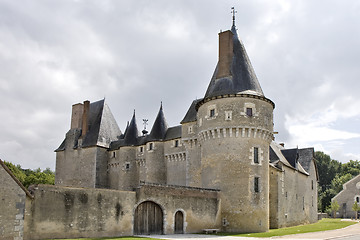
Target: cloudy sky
[{"x": 53, "y": 54}]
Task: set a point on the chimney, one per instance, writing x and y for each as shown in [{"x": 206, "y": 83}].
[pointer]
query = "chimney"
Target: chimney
[
  {"x": 225, "y": 54},
  {"x": 76, "y": 115},
  {"x": 85, "y": 116},
  {"x": 282, "y": 144}
]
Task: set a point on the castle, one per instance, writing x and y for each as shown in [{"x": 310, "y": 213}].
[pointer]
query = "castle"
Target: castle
[{"x": 220, "y": 169}]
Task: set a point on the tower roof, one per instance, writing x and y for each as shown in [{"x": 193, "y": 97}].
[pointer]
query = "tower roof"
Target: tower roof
[
  {"x": 132, "y": 133},
  {"x": 234, "y": 72},
  {"x": 159, "y": 128}
]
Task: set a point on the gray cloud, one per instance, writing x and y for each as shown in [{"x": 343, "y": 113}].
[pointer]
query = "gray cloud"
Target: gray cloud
[{"x": 136, "y": 54}]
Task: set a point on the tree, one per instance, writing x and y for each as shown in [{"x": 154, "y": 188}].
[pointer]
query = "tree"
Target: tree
[
  {"x": 339, "y": 180},
  {"x": 356, "y": 208},
  {"x": 334, "y": 207},
  {"x": 28, "y": 177}
]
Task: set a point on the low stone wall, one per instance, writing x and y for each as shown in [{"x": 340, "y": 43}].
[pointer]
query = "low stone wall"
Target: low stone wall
[
  {"x": 62, "y": 212},
  {"x": 201, "y": 207}
]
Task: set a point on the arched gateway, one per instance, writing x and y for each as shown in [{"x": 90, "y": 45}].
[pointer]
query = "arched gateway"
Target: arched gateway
[{"x": 148, "y": 219}]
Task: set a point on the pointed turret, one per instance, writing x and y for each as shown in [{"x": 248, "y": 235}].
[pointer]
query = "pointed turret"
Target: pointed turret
[
  {"x": 131, "y": 135},
  {"x": 159, "y": 128},
  {"x": 234, "y": 72}
]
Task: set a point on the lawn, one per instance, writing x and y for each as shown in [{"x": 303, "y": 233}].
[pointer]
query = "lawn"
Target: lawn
[
  {"x": 110, "y": 238},
  {"x": 323, "y": 225}
]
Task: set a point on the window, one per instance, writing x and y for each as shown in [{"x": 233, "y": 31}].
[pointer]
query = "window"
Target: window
[
  {"x": 141, "y": 149},
  {"x": 312, "y": 184},
  {"x": 190, "y": 129},
  {"x": 176, "y": 143},
  {"x": 151, "y": 146},
  {"x": 127, "y": 166},
  {"x": 256, "y": 184},
  {"x": 212, "y": 113},
  {"x": 249, "y": 112},
  {"x": 114, "y": 154},
  {"x": 256, "y": 155},
  {"x": 357, "y": 199},
  {"x": 228, "y": 115}
]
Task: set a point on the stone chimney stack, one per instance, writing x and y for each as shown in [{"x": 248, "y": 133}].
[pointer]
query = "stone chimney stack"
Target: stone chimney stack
[
  {"x": 76, "y": 115},
  {"x": 225, "y": 54},
  {"x": 85, "y": 116}
]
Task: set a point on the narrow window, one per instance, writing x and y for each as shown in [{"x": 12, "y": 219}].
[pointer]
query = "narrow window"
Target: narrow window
[
  {"x": 256, "y": 155},
  {"x": 249, "y": 112},
  {"x": 176, "y": 143},
  {"x": 303, "y": 203},
  {"x": 114, "y": 154},
  {"x": 212, "y": 112},
  {"x": 312, "y": 184},
  {"x": 127, "y": 166},
  {"x": 141, "y": 149},
  {"x": 256, "y": 184},
  {"x": 286, "y": 194},
  {"x": 357, "y": 199},
  {"x": 150, "y": 146}
]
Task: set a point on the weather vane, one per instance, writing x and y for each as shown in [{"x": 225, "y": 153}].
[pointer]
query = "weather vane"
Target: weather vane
[
  {"x": 233, "y": 11},
  {"x": 145, "y": 122}
]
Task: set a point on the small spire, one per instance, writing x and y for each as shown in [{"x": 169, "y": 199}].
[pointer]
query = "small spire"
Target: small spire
[{"x": 233, "y": 11}]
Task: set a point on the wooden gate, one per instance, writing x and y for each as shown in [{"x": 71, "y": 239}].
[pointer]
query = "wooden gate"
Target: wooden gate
[
  {"x": 148, "y": 219},
  {"x": 179, "y": 222}
]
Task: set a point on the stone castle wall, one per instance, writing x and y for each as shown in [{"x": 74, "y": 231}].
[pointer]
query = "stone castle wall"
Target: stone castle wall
[{"x": 64, "y": 212}]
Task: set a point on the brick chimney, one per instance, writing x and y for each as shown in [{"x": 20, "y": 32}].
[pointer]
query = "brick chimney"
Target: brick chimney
[
  {"x": 85, "y": 116},
  {"x": 225, "y": 54},
  {"x": 76, "y": 115}
]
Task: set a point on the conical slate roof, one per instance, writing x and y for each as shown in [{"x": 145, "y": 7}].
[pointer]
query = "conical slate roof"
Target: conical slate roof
[
  {"x": 241, "y": 77},
  {"x": 132, "y": 133},
  {"x": 159, "y": 128}
]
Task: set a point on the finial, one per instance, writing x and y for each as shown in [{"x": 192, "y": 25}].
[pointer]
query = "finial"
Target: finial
[
  {"x": 233, "y": 11},
  {"x": 161, "y": 104},
  {"x": 145, "y": 123}
]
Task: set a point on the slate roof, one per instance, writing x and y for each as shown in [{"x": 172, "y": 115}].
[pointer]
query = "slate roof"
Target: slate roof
[
  {"x": 291, "y": 156},
  {"x": 242, "y": 79},
  {"x": 190, "y": 116},
  {"x": 102, "y": 127},
  {"x": 173, "y": 133},
  {"x": 159, "y": 128},
  {"x": 132, "y": 133},
  {"x": 306, "y": 155}
]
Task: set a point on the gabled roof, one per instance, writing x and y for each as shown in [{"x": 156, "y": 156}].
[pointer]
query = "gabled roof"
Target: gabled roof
[
  {"x": 306, "y": 155},
  {"x": 102, "y": 127},
  {"x": 242, "y": 78},
  {"x": 159, "y": 128},
  {"x": 2, "y": 164},
  {"x": 191, "y": 113},
  {"x": 291, "y": 156}
]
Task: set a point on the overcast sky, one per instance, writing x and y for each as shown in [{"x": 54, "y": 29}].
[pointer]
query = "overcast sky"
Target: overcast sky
[{"x": 53, "y": 54}]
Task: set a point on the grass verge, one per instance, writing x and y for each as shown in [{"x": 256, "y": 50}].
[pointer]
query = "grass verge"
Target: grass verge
[
  {"x": 110, "y": 238},
  {"x": 322, "y": 225}
]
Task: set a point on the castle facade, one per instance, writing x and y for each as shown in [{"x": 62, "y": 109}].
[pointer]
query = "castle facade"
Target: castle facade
[{"x": 220, "y": 169}]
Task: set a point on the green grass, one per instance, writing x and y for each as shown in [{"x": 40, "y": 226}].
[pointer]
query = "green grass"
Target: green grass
[{"x": 323, "y": 225}]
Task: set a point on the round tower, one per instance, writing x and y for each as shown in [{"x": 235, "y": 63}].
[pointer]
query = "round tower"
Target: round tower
[{"x": 235, "y": 128}]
